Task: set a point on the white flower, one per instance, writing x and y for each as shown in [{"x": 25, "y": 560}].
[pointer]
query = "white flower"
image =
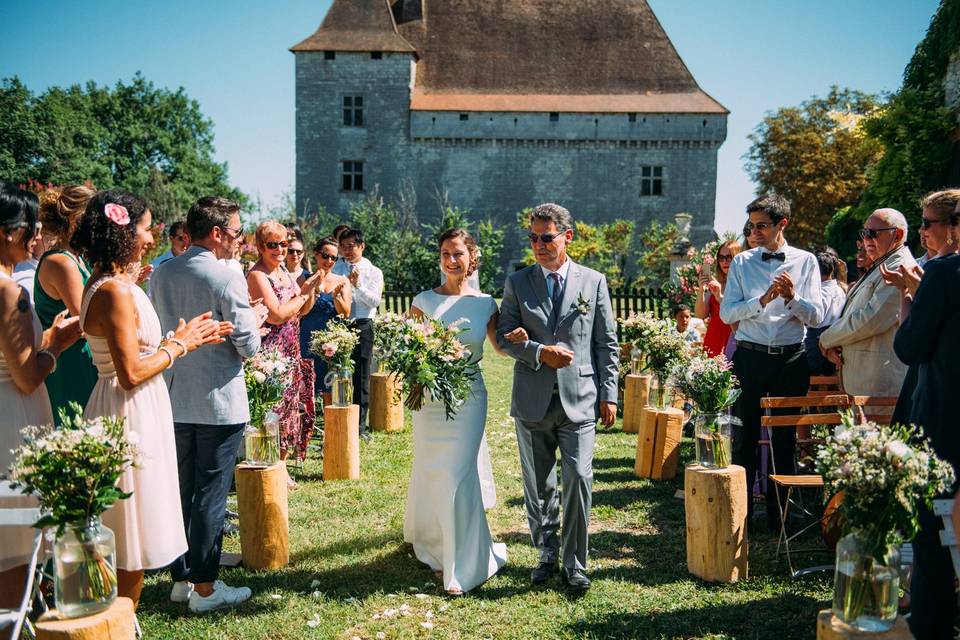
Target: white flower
[
  {"x": 259, "y": 376},
  {"x": 897, "y": 450}
]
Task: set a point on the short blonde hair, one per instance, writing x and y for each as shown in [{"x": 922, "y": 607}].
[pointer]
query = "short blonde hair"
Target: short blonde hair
[{"x": 268, "y": 228}]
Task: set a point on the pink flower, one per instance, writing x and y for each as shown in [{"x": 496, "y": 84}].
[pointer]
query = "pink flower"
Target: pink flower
[
  {"x": 329, "y": 349},
  {"x": 117, "y": 214}
]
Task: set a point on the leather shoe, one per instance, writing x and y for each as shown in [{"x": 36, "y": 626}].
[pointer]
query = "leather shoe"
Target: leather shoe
[
  {"x": 543, "y": 572},
  {"x": 575, "y": 579}
]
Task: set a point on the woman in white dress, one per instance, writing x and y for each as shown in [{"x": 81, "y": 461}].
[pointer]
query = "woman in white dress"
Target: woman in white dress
[
  {"x": 124, "y": 334},
  {"x": 27, "y": 356},
  {"x": 445, "y": 520}
]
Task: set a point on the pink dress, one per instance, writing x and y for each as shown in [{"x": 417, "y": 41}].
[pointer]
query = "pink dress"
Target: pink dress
[
  {"x": 297, "y": 409},
  {"x": 149, "y": 524}
]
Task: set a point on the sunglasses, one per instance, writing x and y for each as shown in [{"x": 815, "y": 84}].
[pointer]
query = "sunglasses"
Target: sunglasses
[
  {"x": 760, "y": 226},
  {"x": 873, "y": 233},
  {"x": 926, "y": 223},
  {"x": 545, "y": 238},
  {"x": 37, "y": 226},
  {"x": 233, "y": 233},
  {"x": 276, "y": 245},
  {"x": 295, "y": 252},
  {"x": 724, "y": 257},
  {"x": 327, "y": 256}
]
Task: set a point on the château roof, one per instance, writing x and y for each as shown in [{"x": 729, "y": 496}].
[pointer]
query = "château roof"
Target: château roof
[{"x": 526, "y": 55}]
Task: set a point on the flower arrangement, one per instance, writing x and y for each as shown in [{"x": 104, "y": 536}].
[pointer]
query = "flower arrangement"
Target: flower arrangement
[
  {"x": 684, "y": 290},
  {"x": 638, "y": 325},
  {"x": 711, "y": 386},
  {"x": 335, "y": 344},
  {"x": 73, "y": 472},
  {"x": 267, "y": 376},
  {"x": 428, "y": 360}
]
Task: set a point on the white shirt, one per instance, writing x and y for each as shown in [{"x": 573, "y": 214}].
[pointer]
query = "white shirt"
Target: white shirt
[
  {"x": 562, "y": 272},
  {"x": 368, "y": 290},
  {"x": 833, "y": 300},
  {"x": 779, "y": 323},
  {"x": 924, "y": 259}
]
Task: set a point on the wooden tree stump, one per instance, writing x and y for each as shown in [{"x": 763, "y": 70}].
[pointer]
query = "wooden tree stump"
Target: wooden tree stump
[
  {"x": 658, "y": 443},
  {"x": 829, "y": 627},
  {"x": 386, "y": 410},
  {"x": 715, "y": 505},
  {"x": 636, "y": 394},
  {"x": 115, "y": 623},
  {"x": 264, "y": 523},
  {"x": 341, "y": 443}
]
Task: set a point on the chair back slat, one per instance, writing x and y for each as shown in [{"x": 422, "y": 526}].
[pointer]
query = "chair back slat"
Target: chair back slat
[
  {"x": 804, "y": 402},
  {"x": 800, "y": 420}
]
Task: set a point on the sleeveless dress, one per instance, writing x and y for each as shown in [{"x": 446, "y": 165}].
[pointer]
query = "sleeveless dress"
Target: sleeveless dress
[
  {"x": 149, "y": 524},
  {"x": 445, "y": 520},
  {"x": 75, "y": 374},
  {"x": 322, "y": 312},
  {"x": 297, "y": 411},
  {"x": 718, "y": 332},
  {"x": 18, "y": 412}
]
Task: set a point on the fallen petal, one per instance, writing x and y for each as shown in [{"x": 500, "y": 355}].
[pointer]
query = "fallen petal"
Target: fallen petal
[{"x": 426, "y": 625}]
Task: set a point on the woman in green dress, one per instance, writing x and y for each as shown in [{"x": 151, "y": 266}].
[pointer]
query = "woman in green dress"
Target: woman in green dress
[{"x": 61, "y": 276}]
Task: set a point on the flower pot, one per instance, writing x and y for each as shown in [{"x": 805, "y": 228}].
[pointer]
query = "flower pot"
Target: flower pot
[
  {"x": 261, "y": 443},
  {"x": 342, "y": 387},
  {"x": 865, "y": 588},
  {"x": 712, "y": 432},
  {"x": 85, "y": 580}
]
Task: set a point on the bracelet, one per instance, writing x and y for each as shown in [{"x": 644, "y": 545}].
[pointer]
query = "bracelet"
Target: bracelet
[
  {"x": 167, "y": 351},
  {"x": 47, "y": 352},
  {"x": 180, "y": 344}
]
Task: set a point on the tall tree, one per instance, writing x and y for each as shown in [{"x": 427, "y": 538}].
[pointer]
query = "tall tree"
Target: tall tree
[{"x": 817, "y": 155}]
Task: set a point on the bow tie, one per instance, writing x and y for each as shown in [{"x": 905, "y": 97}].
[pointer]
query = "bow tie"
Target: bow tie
[{"x": 773, "y": 256}]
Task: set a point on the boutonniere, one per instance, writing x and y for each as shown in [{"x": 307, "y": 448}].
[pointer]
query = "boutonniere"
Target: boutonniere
[{"x": 582, "y": 305}]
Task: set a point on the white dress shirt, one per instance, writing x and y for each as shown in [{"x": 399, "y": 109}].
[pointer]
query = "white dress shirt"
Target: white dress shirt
[
  {"x": 779, "y": 323},
  {"x": 562, "y": 272},
  {"x": 833, "y": 300},
  {"x": 368, "y": 290}
]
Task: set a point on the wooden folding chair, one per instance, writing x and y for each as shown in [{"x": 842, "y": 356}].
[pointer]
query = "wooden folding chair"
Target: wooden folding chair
[
  {"x": 14, "y": 620},
  {"x": 824, "y": 386}
]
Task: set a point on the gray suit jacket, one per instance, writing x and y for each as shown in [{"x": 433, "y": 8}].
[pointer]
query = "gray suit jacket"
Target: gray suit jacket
[
  {"x": 591, "y": 335},
  {"x": 206, "y": 386}
]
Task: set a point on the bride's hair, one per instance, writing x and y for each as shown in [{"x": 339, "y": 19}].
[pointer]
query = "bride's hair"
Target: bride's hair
[{"x": 462, "y": 234}]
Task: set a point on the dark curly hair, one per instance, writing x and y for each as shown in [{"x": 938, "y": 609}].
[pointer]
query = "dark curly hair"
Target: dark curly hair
[{"x": 101, "y": 241}]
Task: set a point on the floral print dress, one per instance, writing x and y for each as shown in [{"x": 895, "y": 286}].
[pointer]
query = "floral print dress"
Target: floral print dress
[{"x": 297, "y": 410}]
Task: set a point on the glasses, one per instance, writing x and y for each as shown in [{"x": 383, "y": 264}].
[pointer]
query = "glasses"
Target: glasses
[
  {"x": 233, "y": 233},
  {"x": 724, "y": 257},
  {"x": 181, "y": 237},
  {"x": 327, "y": 256},
  {"x": 873, "y": 233},
  {"x": 295, "y": 252},
  {"x": 276, "y": 245},
  {"x": 37, "y": 226},
  {"x": 926, "y": 223},
  {"x": 545, "y": 238},
  {"x": 760, "y": 226},
  {"x": 347, "y": 246}
]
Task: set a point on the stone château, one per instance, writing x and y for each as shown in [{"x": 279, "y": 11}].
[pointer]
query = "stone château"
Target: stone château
[{"x": 505, "y": 104}]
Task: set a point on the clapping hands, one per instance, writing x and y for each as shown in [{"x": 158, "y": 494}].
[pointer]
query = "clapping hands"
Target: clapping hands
[
  {"x": 905, "y": 279},
  {"x": 781, "y": 287}
]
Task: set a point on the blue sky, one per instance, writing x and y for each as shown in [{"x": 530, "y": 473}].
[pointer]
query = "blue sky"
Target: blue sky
[{"x": 752, "y": 55}]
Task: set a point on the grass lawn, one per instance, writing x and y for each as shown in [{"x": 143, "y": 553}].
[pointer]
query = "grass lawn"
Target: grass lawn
[{"x": 350, "y": 569}]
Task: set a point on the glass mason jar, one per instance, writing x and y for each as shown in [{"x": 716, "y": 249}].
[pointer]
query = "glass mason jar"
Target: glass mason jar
[
  {"x": 712, "y": 433},
  {"x": 659, "y": 393},
  {"x": 85, "y": 579},
  {"x": 261, "y": 443},
  {"x": 342, "y": 387},
  {"x": 636, "y": 362},
  {"x": 866, "y": 589}
]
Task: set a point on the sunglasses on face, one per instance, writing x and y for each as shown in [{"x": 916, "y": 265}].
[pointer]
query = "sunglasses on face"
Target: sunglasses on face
[
  {"x": 873, "y": 233},
  {"x": 327, "y": 256},
  {"x": 724, "y": 257},
  {"x": 181, "y": 237},
  {"x": 295, "y": 252},
  {"x": 760, "y": 226},
  {"x": 233, "y": 233},
  {"x": 926, "y": 223},
  {"x": 545, "y": 238},
  {"x": 276, "y": 245},
  {"x": 37, "y": 226}
]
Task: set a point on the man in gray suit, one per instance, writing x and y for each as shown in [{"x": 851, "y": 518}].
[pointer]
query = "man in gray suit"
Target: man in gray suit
[
  {"x": 557, "y": 322},
  {"x": 208, "y": 394}
]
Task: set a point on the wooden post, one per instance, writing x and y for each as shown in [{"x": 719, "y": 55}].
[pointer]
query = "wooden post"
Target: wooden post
[
  {"x": 636, "y": 393},
  {"x": 341, "y": 443},
  {"x": 829, "y": 627},
  {"x": 115, "y": 623},
  {"x": 386, "y": 410},
  {"x": 715, "y": 506},
  {"x": 658, "y": 443},
  {"x": 264, "y": 526}
]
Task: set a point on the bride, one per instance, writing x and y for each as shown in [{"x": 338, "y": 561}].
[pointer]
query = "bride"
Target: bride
[{"x": 445, "y": 520}]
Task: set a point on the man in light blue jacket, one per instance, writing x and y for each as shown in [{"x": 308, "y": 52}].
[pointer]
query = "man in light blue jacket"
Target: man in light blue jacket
[{"x": 208, "y": 393}]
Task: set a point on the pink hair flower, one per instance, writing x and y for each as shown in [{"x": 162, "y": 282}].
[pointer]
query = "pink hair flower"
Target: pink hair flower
[{"x": 117, "y": 214}]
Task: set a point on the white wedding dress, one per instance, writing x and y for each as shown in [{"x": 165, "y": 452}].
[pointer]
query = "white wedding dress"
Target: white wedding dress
[{"x": 445, "y": 519}]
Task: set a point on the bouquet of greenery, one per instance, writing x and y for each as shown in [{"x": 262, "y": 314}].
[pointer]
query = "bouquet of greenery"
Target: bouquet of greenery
[
  {"x": 335, "y": 344},
  {"x": 684, "y": 290},
  {"x": 73, "y": 473},
  {"x": 267, "y": 375},
  {"x": 429, "y": 361},
  {"x": 638, "y": 325},
  {"x": 663, "y": 346},
  {"x": 711, "y": 387}
]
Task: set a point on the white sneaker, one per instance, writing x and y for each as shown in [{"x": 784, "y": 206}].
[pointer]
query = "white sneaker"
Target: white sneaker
[
  {"x": 181, "y": 592},
  {"x": 222, "y": 596}
]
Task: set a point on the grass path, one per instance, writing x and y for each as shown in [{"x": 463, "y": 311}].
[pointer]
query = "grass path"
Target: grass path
[{"x": 351, "y": 575}]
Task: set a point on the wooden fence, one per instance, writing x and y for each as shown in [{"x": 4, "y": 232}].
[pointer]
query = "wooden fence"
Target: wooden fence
[{"x": 625, "y": 300}]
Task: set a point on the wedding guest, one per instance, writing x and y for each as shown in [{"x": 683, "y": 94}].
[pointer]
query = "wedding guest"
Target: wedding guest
[
  {"x": 334, "y": 298},
  {"x": 27, "y": 356},
  {"x": 286, "y": 302},
  {"x": 929, "y": 253},
  {"x": 179, "y": 242},
  {"x": 208, "y": 393},
  {"x": 294, "y": 232},
  {"x": 26, "y": 271},
  {"x": 58, "y": 287},
  {"x": 681, "y": 316},
  {"x": 833, "y": 300},
  {"x": 367, "y": 282},
  {"x": 295, "y": 259},
  {"x": 338, "y": 231},
  {"x": 773, "y": 292},
  {"x": 130, "y": 353},
  {"x": 710, "y": 294}
]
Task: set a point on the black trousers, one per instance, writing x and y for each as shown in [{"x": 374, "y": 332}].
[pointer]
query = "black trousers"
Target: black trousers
[
  {"x": 206, "y": 455},
  {"x": 933, "y": 601},
  {"x": 762, "y": 374},
  {"x": 362, "y": 355}
]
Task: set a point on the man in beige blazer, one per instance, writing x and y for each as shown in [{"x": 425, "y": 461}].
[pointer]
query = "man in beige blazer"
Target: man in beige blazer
[{"x": 861, "y": 341}]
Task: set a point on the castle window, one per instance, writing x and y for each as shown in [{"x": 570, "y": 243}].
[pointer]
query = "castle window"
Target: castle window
[
  {"x": 651, "y": 181},
  {"x": 329, "y": 55},
  {"x": 376, "y": 55},
  {"x": 352, "y": 176},
  {"x": 631, "y": 117},
  {"x": 464, "y": 116},
  {"x": 554, "y": 117},
  {"x": 353, "y": 111}
]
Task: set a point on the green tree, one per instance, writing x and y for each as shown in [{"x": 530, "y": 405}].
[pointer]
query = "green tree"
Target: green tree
[
  {"x": 817, "y": 155},
  {"x": 656, "y": 243}
]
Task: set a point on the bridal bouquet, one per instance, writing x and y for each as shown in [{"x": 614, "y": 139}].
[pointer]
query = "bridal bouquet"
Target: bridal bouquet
[
  {"x": 73, "y": 472},
  {"x": 267, "y": 376},
  {"x": 335, "y": 344},
  {"x": 428, "y": 360}
]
